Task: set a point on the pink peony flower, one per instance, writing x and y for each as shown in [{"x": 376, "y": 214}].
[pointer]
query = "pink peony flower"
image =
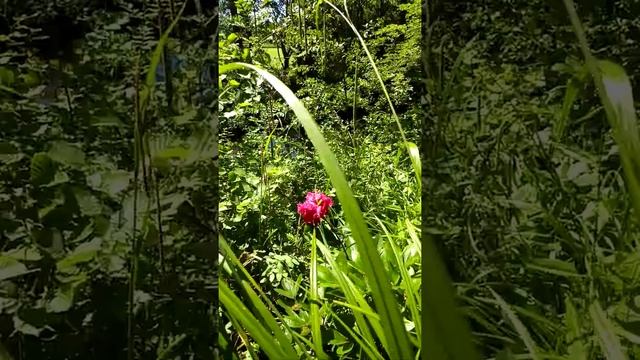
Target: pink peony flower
[{"x": 314, "y": 208}]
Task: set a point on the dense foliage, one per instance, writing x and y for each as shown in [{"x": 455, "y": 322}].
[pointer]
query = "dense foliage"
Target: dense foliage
[
  {"x": 526, "y": 196},
  {"x": 78, "y": 218},
  {"x": 314, "y": 279},
  {"x": 112, "y": 195}
]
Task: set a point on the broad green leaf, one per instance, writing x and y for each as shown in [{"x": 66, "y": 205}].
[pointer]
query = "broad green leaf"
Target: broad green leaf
[
  {"x": 10, "y": 268},
  {"x": 23, "y": 254},
  {"x": 83, "y": 253},
  {"x": 42, "y": 169},
  {"x": 112, "y": 182},
  {"x": 89, "y": 205},
  {"x": 24, "y": 327},
  {"x": 67, "y": 154},
  {"x": 60, "y": 177},
  {"x": 62, "y": 300}
]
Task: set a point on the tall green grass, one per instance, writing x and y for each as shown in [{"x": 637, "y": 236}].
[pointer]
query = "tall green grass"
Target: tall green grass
[
  {"x": 412, "y": 149},
  {"x": 141, "y": 150},
  {"x": 384, "y": 324},
  {"x": 393, "y": 336},
  {"x": 614, "y": 89},
  {"x": 615, "y": 93},
  {"x": 446, "y": 335}
]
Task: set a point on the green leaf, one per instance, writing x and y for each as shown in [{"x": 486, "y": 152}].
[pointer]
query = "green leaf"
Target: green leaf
[
  {"x": 62, "y": 300},
  {"x": 577, "y": 350},
  {"x": 42, "y": 169},
  {"x": 89, "y": 205},
  {"x": 553, "y": 266},
  {"x": 23, "y": 254},
  {"x": 7, "y": 76},
  {"x": 570, "y": 96},
  {"x": 67, "y": 154},
  {"x": 106, "y": 121},
  {"x": 9, "y": 153},
  {"x": 112, "y": 182},
  {"x": 83, "y": 253},
  {"x": 25, "y": 328},
  {"x": 10, "y": 268},
  {"x": 231, "y": 38},
  {"x": 576, "y": 170}
]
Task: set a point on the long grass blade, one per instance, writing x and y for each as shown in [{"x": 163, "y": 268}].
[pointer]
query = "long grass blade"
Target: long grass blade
[
  {"x": 446, "y": 332},
  {"x": 518, "y": 325},
  {"x": 410, "y": 293},
  {"x": 354, "y": 296},
  {"x": 577, "y": 350},
  {"x": 245, "y": 279},
  {"x": 614, "y": 90},
  {"x": 606, "y": 333},
  {"x": 314, "y": 313},
  {"x": 367, "y": 347},
  {"x": 258, "y": 331}
]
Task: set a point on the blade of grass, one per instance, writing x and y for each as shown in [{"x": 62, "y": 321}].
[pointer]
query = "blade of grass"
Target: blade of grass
[
  {"x": 354, "y": 297},
  {"x": 241, "y": 313},
  {"x": 244, "y": 337},
  {"x": 446, "y": 332},
  {"x": 614, "y": 90},
  {"x": 139, "y": 137},
  {"x": 314, "y": 314},
  {"x": 577, "y": 350},
  {"x": 410, "y": 294},
  {"x": 231, "y": 260},
  {"x": 518, "y": 325},
  {"x": 367, "y": 347},
  {"x": 606, "y": 333}
]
